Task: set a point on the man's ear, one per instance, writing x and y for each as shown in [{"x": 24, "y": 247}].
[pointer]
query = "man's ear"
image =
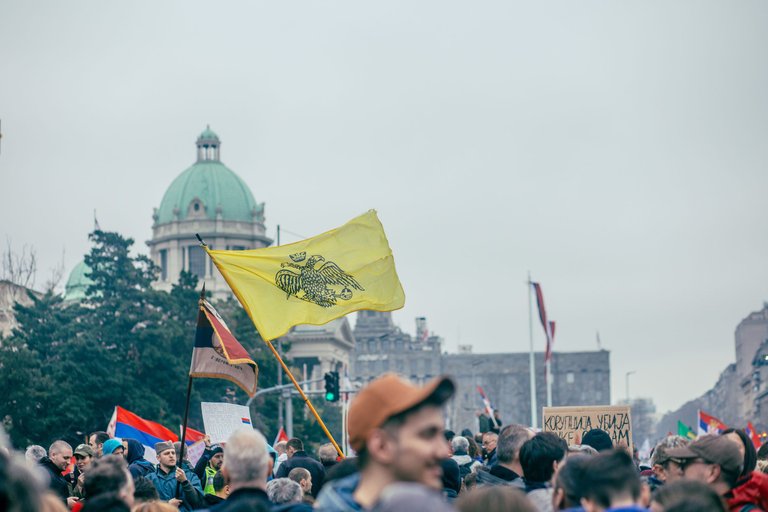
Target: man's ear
[
  {"x": 714, "y": 473},
  {"x": 380, "y": 446}
]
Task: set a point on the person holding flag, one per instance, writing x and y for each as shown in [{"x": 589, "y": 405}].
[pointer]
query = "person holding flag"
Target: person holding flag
[{"x": 169, "y": 477}]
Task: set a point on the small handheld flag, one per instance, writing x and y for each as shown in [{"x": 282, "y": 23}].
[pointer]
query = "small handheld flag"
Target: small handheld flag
[
  {"x": 753, "y": 435},
  {"x": 685, "y": 431},
  {"x": 218, "y": 355},
  {"x": 708, "y": 424}
]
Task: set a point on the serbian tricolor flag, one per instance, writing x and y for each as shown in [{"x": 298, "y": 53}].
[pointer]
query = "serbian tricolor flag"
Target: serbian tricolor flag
[
  {"x": 708, "y": 424},
  {"x": 549, "y": 326},
  {"x": 218, "y": 355},
  {"x": 129, "y": 425},
  {"x": 192, "y": 436},
  {"x": 753, "y": 435}
]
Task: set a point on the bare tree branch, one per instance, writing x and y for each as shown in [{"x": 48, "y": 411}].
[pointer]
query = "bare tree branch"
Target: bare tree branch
[{"x": 19, "y": 268}]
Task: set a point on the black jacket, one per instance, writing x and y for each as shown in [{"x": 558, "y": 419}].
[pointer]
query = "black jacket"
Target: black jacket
[
  {"x": 244, "y": 499},
  {"x": 57, "y": 483},
  {"x": 302, "y": 460}
]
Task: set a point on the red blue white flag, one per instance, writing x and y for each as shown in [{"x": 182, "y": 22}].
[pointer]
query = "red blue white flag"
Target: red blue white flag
[
  {"x": 130, "y": 425},
  {"x": 708, "y": 424}
]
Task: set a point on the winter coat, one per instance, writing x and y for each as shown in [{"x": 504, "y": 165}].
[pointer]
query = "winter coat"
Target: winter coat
[
  {"x": 300, "y": 459},
  {"x": 337, "y": 496},
  {"x": 248, "y": 498},
  {"x": 751, "y": 490},
  {"x": 165, "y": 483},
  {"x": 466, "y": 463},
  {"x": 137, "y": 464},
  {"x": 57, "y": 483}
]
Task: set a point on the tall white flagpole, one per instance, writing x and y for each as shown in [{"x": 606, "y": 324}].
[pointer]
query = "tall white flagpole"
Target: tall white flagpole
[
  {"x": 532, "y": 369},
  {"x": 549, "y": 383}
]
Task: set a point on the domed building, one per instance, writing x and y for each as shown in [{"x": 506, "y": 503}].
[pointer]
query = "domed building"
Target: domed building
[
  {"x": 211, "y": 200},
  {"x": 78, "y": 283}
]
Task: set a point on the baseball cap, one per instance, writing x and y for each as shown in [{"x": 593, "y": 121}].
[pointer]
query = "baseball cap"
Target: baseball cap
[
  {"x": 84, "y": 450},
  {"x": 713, "y": 449},
  {"x": 388, "y": 396}
]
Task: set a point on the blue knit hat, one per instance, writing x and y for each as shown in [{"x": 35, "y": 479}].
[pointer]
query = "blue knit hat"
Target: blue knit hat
[{"x": 110, "y": 445}]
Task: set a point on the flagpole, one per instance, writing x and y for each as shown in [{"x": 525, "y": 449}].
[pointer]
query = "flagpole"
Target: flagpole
[
  {"x": 549, "y": 382},
  {"x": 280, "y": 416},
  {"x": 306, "y": 399},
  {"x": 532, "y": 361},
  {"x": 184, "y": 428}
]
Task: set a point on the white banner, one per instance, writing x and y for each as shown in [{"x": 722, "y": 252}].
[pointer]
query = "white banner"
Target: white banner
[{"x": 222, "y": 419}]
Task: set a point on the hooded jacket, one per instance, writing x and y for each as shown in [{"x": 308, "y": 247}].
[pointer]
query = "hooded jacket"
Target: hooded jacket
[
  {"x": 337, "y": 496},
  {"x": 137, "y": 464},
  {"x": 752, "y": 490}
]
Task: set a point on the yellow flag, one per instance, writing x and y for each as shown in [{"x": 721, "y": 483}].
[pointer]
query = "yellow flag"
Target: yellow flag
[{"x": 315, "y": 280}]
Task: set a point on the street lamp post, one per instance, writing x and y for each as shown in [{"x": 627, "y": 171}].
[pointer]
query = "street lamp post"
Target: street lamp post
[{"x": 627, "y": 382}]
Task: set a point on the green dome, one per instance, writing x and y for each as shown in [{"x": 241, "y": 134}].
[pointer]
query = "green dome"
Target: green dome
[
  {"x": 209, "y": 189},
  {"x": 216, "y": 186},
  {"x": 78, "y": 282},
  {"x": 208, "y": 134}
]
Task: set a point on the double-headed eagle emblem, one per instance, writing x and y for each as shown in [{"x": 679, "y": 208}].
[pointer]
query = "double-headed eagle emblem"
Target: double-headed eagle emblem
[{"x": 315, "y": 284}]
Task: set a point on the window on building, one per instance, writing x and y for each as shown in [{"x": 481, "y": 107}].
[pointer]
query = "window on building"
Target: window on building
[
  {"x": 163, "y": 264},
  {"x": 569, "y": 378},
  {"x": 197, "y": 261}
]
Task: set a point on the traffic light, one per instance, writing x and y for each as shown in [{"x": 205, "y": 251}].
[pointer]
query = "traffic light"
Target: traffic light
[{"x": 332, "y": 386}]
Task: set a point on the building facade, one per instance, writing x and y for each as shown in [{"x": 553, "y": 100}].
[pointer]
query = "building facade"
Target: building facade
[
  {"x": 741, "y": 392},
  {"x": 208, "y": 199},
  {"x": 579, "y": 378}
]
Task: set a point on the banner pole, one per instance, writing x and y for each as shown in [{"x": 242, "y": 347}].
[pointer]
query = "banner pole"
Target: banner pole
[
  {"x": 184, "y": 432},
  {"x": 306, "y": 399},
  {"x": 532, "y": 360}
]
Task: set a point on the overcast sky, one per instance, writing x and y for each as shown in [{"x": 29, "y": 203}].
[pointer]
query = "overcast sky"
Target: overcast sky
[{"x": 616, "y": 150}]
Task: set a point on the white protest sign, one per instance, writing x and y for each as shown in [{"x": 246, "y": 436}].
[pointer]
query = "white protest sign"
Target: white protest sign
[{"x": 222, "y": 419}]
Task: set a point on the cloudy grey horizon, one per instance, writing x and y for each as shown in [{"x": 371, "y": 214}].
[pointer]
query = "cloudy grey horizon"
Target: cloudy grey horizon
[{"x": 615, "y": 150}]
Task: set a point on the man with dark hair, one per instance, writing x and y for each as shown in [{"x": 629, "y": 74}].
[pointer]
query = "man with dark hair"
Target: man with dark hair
[
  {"x": 396, "y": 429},
  {"x": 59, "y": 455},
  {"x": 298, "y": 458},
  {"x": 598, "y": 439},
  {"x": 109, "y": 476},
  {"x": 220, "y": 490},
  {"x": 96, "y": 442},
  {"x": 539, "y": 459},
  {"x": 144, "y": 490},
  {"x": 611, "y": 482},
  {"x": 508, "y": 469},
  {"x": 208, "y": 464}
]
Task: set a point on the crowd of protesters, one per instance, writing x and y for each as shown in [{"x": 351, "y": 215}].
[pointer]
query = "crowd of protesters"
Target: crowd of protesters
[{"x": 405, "y": 460}]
